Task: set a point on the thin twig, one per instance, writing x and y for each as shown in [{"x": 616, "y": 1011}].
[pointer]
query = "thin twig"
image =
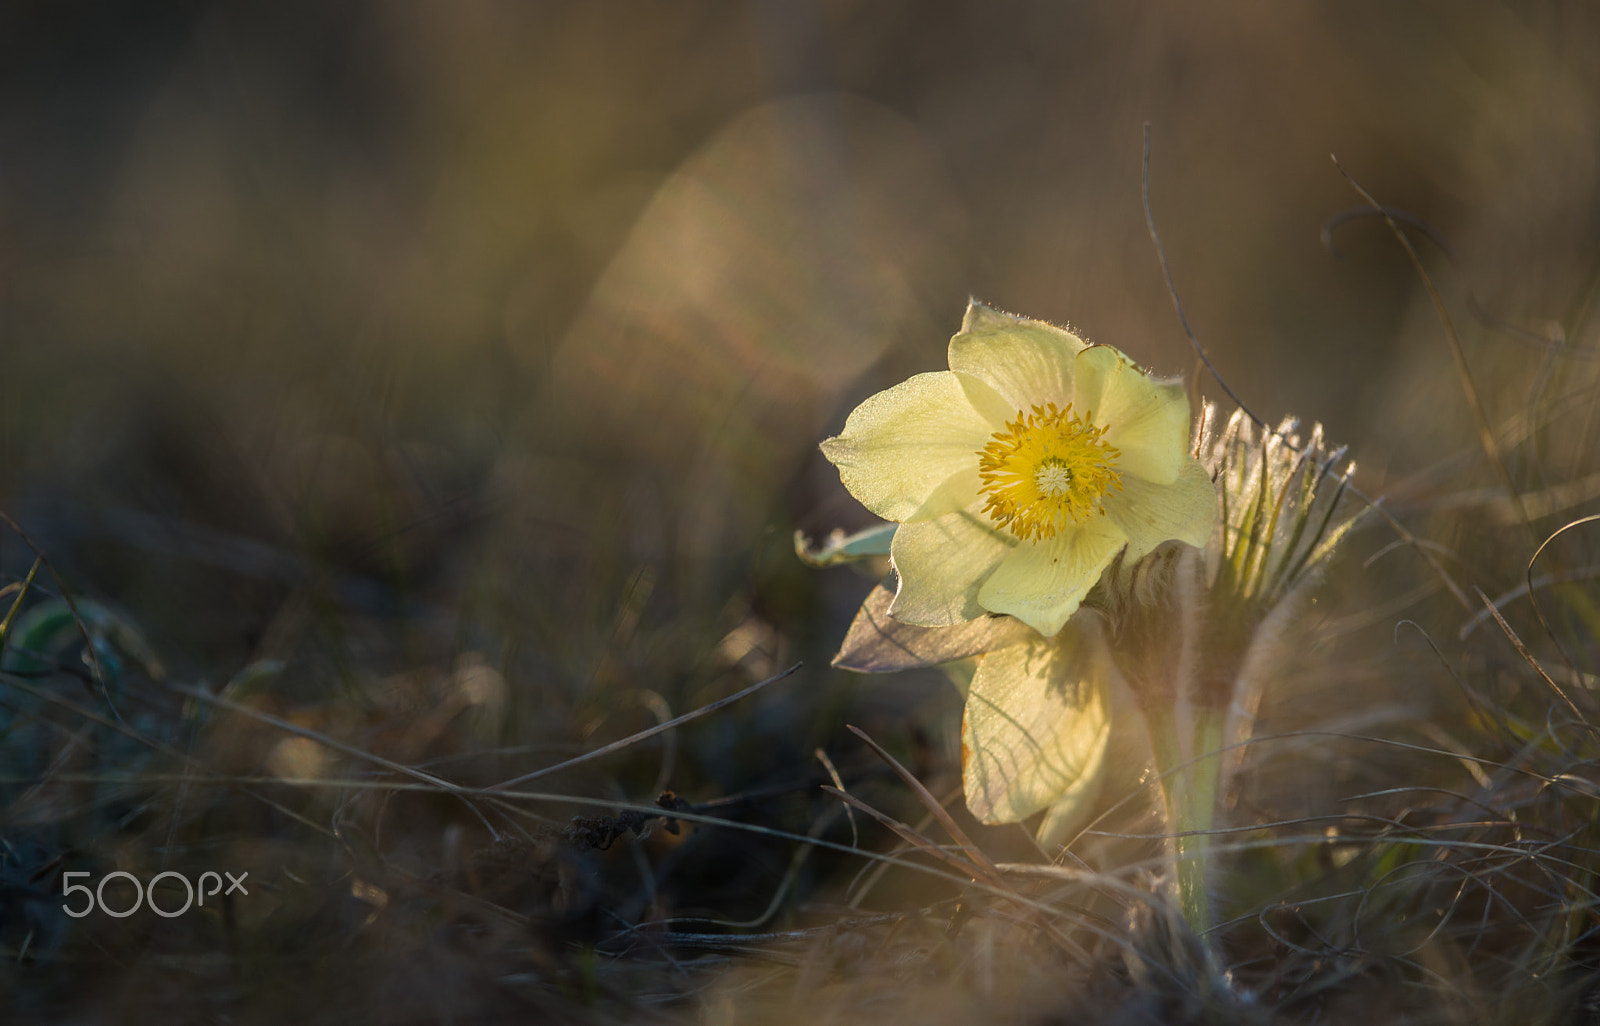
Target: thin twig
[
  {"x": 1172, "y": 290},
  {"x": 916, "y": 840},
  {"x": 1475, "y": 307},
  {"x": 930, "y": 802},
  {"x": 838, "y": 781},
  {"x": 336, "y": 745},
  {"x": 1522, "y": 650},
  {"x": 659, "y": 728},
  {"x": 1587, "y": 573},
  {"x": 121, "y": 727},
  {"x": 1374, "y": 504},
  {"x": 1491, "y": 448},
  {"x": 1538, "y": 610}
]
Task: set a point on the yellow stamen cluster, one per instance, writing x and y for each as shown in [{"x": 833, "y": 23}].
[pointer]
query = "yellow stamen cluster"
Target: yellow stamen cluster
[{"x": 1046, "y": 471}]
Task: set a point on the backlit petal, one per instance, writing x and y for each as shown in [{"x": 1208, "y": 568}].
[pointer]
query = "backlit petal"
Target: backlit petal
[
  {"x": 1150, "y": 513},
  {"x": 1146, "y": 419},
  {"x": 1041, "y": 583},
  {"x": 942, "y": 563},
  {"x": 1027, "y": 362},
  {"x": 1037, "y": 720},
  {"x": 910, "y": 452}
]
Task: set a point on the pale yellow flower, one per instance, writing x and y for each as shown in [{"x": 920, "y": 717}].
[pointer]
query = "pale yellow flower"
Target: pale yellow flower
[
  {"x": 1020, "y": 473},
  {"x": 1036, "y": 730}
]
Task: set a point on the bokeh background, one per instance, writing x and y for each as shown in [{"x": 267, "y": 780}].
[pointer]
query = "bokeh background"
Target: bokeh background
[
  {"x": 537, "y": 295},
  {"x": 369, "y": 338}
]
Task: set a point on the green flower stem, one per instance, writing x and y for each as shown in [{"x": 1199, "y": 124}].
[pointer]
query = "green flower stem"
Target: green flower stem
[{"x": 1190, "y": 787}]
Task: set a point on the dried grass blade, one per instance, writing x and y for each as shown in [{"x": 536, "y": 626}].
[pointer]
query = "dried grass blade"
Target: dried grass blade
[
  {"x": 72, "y": 607},
  {"x": 1522, "y": 650},
  {"x": 22, "y": 593},
  {"x": 938, "y": 811},
  {"x": 916, "y": 840},
  {"x": 1491, "y": 448},
  {"x": 642, "y": 735}
]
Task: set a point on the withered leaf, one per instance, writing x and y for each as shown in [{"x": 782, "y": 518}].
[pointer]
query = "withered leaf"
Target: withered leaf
[{"x": 877, "y": 643}]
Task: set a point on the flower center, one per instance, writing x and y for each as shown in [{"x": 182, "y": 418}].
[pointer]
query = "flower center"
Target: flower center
[{"x": 1045, "y": 471}]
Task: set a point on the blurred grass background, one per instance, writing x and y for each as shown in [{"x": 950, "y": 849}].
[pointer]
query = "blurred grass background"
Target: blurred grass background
[
  {"x": 432, "y": 290},
  {"x": 486, "y": 345}
]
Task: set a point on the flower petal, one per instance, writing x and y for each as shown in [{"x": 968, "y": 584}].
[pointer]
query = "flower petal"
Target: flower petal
[
  {"x": 1041, "y": 583},
  {"x": 1145, "y": 418},
  {"x": 1037, "y": 720},
  {"x": 1150, "y": 514},
  {"x": 1027, "y": 362},
  {"x": 910, "y": 452},
  {"x": 942, "y": 563}
]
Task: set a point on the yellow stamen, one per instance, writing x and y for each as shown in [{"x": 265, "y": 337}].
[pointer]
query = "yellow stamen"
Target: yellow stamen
[{"x": 1047, "y": 470}]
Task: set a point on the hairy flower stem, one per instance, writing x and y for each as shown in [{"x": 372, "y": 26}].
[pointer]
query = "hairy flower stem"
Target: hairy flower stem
[{"x": 1190, "y": 787}]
